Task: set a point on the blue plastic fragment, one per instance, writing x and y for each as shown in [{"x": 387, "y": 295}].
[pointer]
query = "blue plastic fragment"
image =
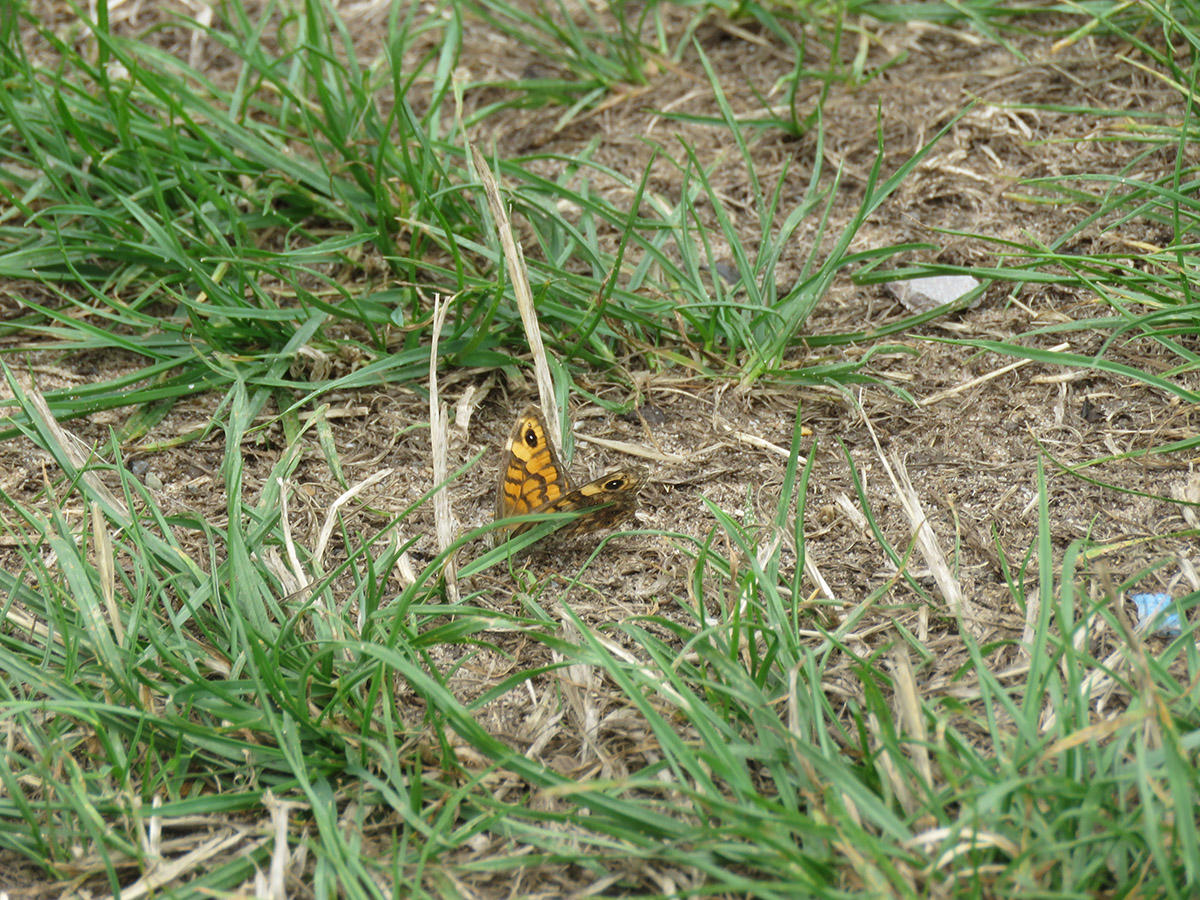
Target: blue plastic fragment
[{"x": 1154, "y": 607}]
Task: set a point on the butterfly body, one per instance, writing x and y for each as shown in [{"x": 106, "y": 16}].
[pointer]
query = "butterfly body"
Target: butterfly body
[{"x": 533, "y": 480}]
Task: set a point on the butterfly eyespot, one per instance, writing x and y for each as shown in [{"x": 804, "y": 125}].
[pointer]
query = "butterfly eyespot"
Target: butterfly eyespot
[
  {"x": 531, "y": 438},
  {"x": 614, "y": 484}
]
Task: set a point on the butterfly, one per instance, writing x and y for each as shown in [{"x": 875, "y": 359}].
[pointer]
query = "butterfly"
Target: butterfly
[{"x": 533, "y": 480}]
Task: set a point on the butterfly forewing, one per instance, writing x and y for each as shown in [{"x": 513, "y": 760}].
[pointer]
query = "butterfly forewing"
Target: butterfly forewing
[{"x": 531, "y": 475}]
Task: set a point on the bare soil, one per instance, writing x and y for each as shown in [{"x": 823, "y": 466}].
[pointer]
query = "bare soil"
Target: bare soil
[{"x": 971, "y": 444}]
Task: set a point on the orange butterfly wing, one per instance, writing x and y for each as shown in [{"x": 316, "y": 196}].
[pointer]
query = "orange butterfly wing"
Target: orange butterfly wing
[
  {"x": 532, "y": 479},
  {"x": 530, "y": 474}
]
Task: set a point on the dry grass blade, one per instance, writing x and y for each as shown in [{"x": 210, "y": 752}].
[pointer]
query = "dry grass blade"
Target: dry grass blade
[
  {"x": 190, "y": 863},
  {"x": 926, "y": 540},
  {"x": 983, "y": 379},
  {"x": 345, "y": 497},
  {"x": 442, "y": 515},
  {"x": 74, "y": 450},
  {"x": 969, "y": 840},
  {"x": 763, "y": 444},
  {"x": 912, "y": 718},
  {"x": 579, "y": 686},
  {"x": 1033, "y": 604},
  {"x": 1130, "y": 657},
  {"x": 628, "y": 448},
  {"x": 276, "y": 887},
  {"x": 102, "y": 544},
  {"x": 883, "y": 749},
  {"x": 291, "y": 576},
  {"x": 336, "y": 622},
  {"x": 515, "y": 263}
]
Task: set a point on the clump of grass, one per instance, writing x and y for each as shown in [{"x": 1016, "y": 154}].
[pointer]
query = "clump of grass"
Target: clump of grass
[
  {"x": 208, "y": 229},
  {"x": 167, "y": 216}
]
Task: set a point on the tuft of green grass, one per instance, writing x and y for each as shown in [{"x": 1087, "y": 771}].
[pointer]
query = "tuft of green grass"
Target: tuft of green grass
[{"x": 213, "y": 231}]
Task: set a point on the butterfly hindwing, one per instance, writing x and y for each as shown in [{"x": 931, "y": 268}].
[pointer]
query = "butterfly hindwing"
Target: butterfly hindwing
[{"x": 608, "y": 500}]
